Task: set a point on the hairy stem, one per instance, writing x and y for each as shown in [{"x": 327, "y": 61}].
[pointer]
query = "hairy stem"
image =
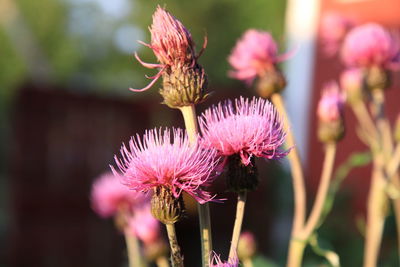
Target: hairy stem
[
  {"x": 189, "y": 115},
  {"x": 176, "y": 256},
  {"x": 241, "y": 202}
]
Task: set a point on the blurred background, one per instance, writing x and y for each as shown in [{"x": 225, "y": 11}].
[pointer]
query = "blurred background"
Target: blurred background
[{"x": 65, "y": 109}]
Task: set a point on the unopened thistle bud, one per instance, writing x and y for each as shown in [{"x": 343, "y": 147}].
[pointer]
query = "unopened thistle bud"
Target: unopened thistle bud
[
  {"x": 377, "y": 78},
  {"x": 330, "y": 114},
  {"x": 185, "y": 81},
  {"x": 271, "y": 82},
  {"x": 184, "y": 86},
  {"x": 247, "y": 246},
  {"x": 352, "y": 82},
  {"x": 165, "y": 207}
]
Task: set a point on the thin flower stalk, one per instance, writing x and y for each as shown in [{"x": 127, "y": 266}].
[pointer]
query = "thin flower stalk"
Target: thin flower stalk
[
  {"x": 133, "y": 250},
  {"x": 376, "y": 212},
  {"x": 189, "y": 116},
  {"x": 296, "y": 169},
  {"x": 299, "y": 241},
  {"x": 330, "y": 130},
  {"x": 241, "y": 203}
]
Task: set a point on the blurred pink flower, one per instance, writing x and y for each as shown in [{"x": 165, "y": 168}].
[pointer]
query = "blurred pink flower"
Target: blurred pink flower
[
  {"x": 371, "y": 45},
  {"x": 174, "y": 163},
  {"x": 334, "y": 27},
  {"x": 330, "y": 105},
  {"x": 351, "y": 78},
  {"x": 109, "y": 195},
  {"x": 249, "y": 128},
  {"x": 253, "y": 55},
  {"x": 215, "y": 261},
  {"x": 143, "y": 225},
  {"x": 171, "y": 43},
  {"x": 352, "y": 82}
]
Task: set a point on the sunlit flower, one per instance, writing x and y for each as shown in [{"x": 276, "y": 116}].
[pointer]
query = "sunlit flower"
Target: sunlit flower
[
  {"x": 109, "y": 196},
  {"x": 159, "y": 161},
  {"x": 248, "y": 128},
  {"x": 254, "y": 54},
  {"x": 334, "y": 27},
  {"x": 171, "y": 43},
  {"x": 215, "y": 261},
  {"x": 371, "y": 45},
  {"x": 143, "y": 225},
  {"x": 330, "y": 105}
]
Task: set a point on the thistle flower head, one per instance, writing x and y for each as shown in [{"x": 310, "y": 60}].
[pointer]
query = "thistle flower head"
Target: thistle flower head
[
  {"x": 143, "y": 225},
  {"x": 248, "y": 128},
  {"x": 170, "y": 40},
  {"x": 334, "y": 27},
  {"x": 215, "y": 261},
  {"x": 330, "y": 114},
  {"x": 173, "y": 164},
  {"x": 371, "y": 45},
  {"x": 330, "y": 105},
  {"x": 254, "y": 54},
  {"x": 109, "y": 196}
]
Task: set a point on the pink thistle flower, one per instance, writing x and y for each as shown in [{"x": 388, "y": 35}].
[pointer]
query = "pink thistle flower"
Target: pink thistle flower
[
  {"x": 253, "y": 55},
  {"x": 334, "y": 28},
  {"x": 249, "y": 128},
  {"x": 143, "y": 225},
  {"x": 371, "y": 45},
  {"x": 109, "y": 196},
  {"x": 173, "y": 163},
  {"x": 215, "y": 261},
  {"x": 330, "y": 105},
  {"x": 171, "y": 43}
]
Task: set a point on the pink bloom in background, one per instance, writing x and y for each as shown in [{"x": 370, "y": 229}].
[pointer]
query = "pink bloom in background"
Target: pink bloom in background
[
  {"x": 109, "y": 195},
  {"x": 215, "y": 261},
  {"x": 143, "y": 225},
  {"x": 351, "y": 81},
  {"x": 249, "y": 128},
  {"x": 174, "y": 163},
  {"x": 254, "y": 54},
  {"x": 334, "y": 28},
  {"x": 330, "y": 105},
  {"x": 351, "y": 78},
  {"x": 371, "y": 45}
]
